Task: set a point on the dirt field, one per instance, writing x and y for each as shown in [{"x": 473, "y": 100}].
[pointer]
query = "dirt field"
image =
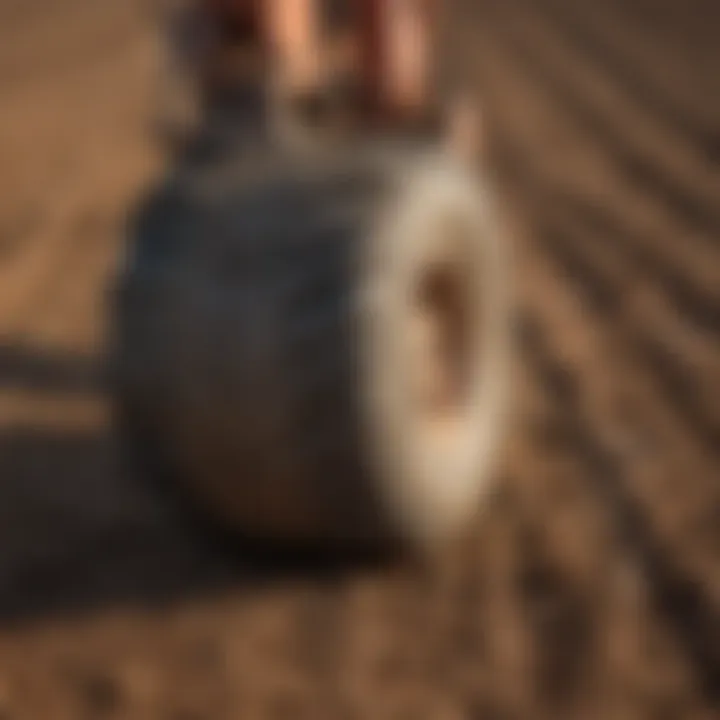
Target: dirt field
[{"x": 591, "y": 586}]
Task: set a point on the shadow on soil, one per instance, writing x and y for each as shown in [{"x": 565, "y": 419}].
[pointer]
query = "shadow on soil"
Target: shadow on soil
[
  {"x": 28, "y": 369},
  {"x": 81, "y": 528}
]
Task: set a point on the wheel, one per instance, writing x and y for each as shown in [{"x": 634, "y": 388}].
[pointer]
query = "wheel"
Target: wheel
[{"x": 319, "y": 348}]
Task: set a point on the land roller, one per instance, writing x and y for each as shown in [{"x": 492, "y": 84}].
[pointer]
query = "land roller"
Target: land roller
[{"x": 314, "y": 346}]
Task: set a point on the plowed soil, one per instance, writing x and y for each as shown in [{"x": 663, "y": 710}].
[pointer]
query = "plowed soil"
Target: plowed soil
[{"x": 590, "y": 586}]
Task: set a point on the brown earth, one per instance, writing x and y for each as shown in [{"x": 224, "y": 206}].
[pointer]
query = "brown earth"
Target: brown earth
[{"x": 591, "y": 585}]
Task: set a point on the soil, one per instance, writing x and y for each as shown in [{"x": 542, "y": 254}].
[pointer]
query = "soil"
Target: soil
[{"x": 590, "y": 584}]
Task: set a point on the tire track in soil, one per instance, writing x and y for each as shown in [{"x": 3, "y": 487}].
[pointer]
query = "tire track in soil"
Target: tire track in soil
[
  {"x": 633, "y": 253},
  {"x": 689, "y": 367},
  {"x": 641, "y": 335},
  {"x": 638, "y": 61},
  {"x": 599, "y": 183},
  {"x": 599, "y": 290},
  {"x": 589, "y": 427},
  {"x": 588, "y": 171},
  {"x": 698, "y": 213},
  {"x": 672, "y": 593},
  {"x": 649, "y": 128}
]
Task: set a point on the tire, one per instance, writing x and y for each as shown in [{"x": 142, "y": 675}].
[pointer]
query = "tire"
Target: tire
[{"x": 260, "y": 319}]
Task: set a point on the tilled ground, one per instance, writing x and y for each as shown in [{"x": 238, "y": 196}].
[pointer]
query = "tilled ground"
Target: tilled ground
[{"x": 590, "y": 586}]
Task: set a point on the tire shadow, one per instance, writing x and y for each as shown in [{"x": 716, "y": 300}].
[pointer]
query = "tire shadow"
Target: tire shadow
[
  {"x": 81, "y": 528},
  {"x": 23, "y": 368}
]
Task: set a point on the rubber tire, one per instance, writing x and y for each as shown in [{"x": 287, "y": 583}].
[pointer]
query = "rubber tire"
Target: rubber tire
[{"x": 256, "y": 320}]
